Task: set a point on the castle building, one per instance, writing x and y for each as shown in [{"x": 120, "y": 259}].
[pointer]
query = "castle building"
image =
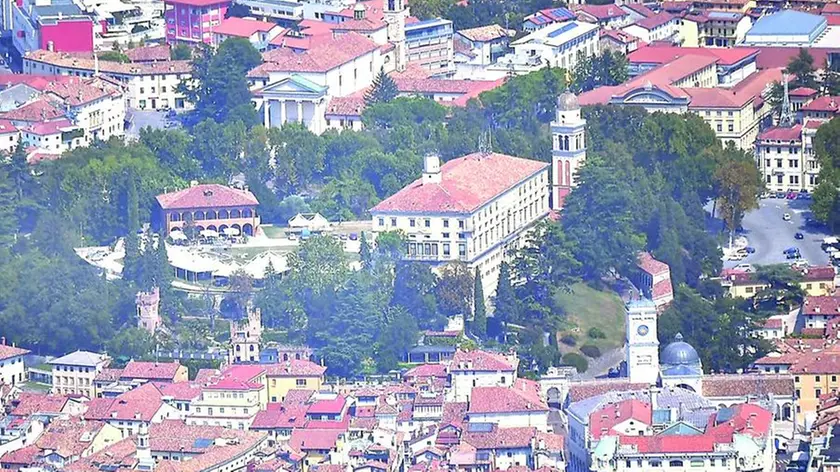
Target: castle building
[
  {"x": 148, "y": 313},
  {"x": 568, "y": 147},
  {"x": 245, "y": 338}
]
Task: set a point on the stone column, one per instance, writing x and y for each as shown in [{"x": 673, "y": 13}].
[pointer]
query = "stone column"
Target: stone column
[
  {"x": 266, "y": 113},
  {"x": 300, "y": 111},
  {"x": 282, "y": 113}
]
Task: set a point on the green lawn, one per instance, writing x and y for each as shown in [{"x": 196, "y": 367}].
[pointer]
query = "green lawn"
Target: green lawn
[
  {"x": 586, "y": 308},
  {"x": 274, "y": 232}
]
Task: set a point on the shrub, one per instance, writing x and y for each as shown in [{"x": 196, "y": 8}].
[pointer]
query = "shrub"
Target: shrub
[
  {"x": 577, "y": 361},
  {"x": 596, "y": 333},
  {"x": 569, "y": 340},
  {"x": 590, "y": 351}
]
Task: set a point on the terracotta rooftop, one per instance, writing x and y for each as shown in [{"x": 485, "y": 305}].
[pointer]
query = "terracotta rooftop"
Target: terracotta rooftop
[
  {"x": 485, "y": 33},
  {"x": 279, "y": 415},
  {"x": 618, "y": 36},
  {"x": 321, "y": 58},
  {"x": 653, "y": 22},
  {"x": 782, "y": 133},
  {"x": 29, "y": 403},
  {"x": 7, "y": 352},
  {"x": 69, "y": 438},
  {"x": 314, "y": 439},
  {"x": 179, "y": 391},
  {"x": 40, "y": 109},
  {"x": 582, "y": 390},
  {"x": 86, "y": 62},
  {"x": 156, "y": 52},
  {"x": 665, "y": 54},
  {"x": 500, "y": 438},
  {"x": 152, "y": 370},
  {"x": 824, "y": 103},
  {"x": 742, "y": 385},
  {"x": 243, "y": 27},
  {"x": 467, "y": 183},
  {"x": 503, "y": 400},
  {"x": 352, "y": 105},
  {"x": 825, "y": 305},
  {"x": 79, "y": 91},
  {"x": 207, "y": 196},
  {"x": 647, "y": 263},
  {"x": 139, "y": 404},
  {"x": 601, "y": 12},
  {"x": 803, "y": 91},
  {"x": 602, "y": 421},
  {"x": 817, "y": 273},
  {"x": 295, "y": 368}
]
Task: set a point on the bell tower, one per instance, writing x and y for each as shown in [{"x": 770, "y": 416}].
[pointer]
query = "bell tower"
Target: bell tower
[
  {"x": 642, "y": 342},
  {"x": 395, "y": 14},
  {"x": 568, "y": 147}
]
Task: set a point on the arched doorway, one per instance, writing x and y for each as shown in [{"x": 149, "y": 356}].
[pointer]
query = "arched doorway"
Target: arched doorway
[
  {"x": 553, "y": 395},
  {"x": 248, "y": 229}
]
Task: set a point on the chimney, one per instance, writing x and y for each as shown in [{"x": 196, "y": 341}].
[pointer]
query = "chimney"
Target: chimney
[
  {"x": 431, "y": 169},
  {"x": 2, "y": 340}
]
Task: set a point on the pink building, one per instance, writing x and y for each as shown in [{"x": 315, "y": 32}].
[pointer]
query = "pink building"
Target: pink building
[
  {"x": 210, "y": 206},
  {"x": 193, "y": 21}
]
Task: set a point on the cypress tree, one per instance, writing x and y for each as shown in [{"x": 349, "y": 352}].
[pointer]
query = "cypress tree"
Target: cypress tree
[{"x": 479, "y": 324}]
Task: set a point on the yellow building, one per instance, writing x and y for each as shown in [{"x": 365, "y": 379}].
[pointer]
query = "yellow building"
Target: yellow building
[
  {"x": 816, "y": 281},
  {"x": 742, "y": 285},
  {"x": 293, "y": 374},
  {"x": 233, "y": 400},
  {"x": 742, "y": 6},
  {"x": 74, "y": 374}
]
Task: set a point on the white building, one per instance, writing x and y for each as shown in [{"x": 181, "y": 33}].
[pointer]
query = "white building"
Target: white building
[
  {"x": 556, "y": 45},
  {"x": 479, "y": 369},
  {"x": 148, "y": 85},
  {"x": 660, "y": 27},
  {"x": 642, "y": 342},
  {"x": 568, "y": 147},
  {"x": 297, "y": 87},
  {"x": 12, "y": 370},
  {"x": 512, "y": 406},
  {"x": 75, "y": 372},
  {"x": 472, "y": 209},
  {"x": 258, "y": 33}
]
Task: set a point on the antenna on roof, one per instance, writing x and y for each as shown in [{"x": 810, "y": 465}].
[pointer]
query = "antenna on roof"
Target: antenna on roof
[
  {"x": 786, "y": 116},
  {"x": 485, "y": 142}
]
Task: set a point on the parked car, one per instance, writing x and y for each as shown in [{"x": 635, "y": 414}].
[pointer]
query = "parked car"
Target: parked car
[
  {"x": 354, "y": 236},
  {"x": 342, "y": 236},
  {"x": 744, "y": 267},
  {"x": 780, "y": 194},
  {"x": 792, "y": 195},
  {"x": 799, "y": 236},
  {"x": 786, "y": 217},
  {"x": 749, "y": 250},
  {"x": 790, "y": 250}
]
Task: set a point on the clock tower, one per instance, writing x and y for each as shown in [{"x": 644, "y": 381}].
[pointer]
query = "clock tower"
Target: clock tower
[{"x": 642, "y": 342}]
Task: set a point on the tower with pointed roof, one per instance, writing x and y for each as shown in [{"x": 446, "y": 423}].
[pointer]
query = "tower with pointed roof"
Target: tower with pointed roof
[
  {"x": 245, "y": 338},
  {"x": 568, "y": 147},
  {"x": 395, "y": 14}
]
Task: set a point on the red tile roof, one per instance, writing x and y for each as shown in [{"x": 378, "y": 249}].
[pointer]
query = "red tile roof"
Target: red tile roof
[
  {"x": 108, "y": 375},
  {"x": 817, "y": 273},
  {"x": 655, "y": 21},
  {"x": 500, "y": 438},
  {"x": 601, "y": 12},
  {"x": 179, "y": 391},
  {"x": 298, "y": 396},
  {"x": 78, "y": 91},
  {"x": 481, "y": 361},
  {"x": 743, "y": 385},
  {"x": 139, "y": 404},
  {"x": 352, "y": 105},
  {"x": 503, "y": 400},
  {"x": 821, "y": 305},
  {"x": 7, "y": 127},
  {"x": 7, "y": 352},
  {"x": 831, "y": 9},
  {"x": 773, "y": 323},
  {"x": 485, "y": 33},
  {"x": 332, "y": 406},
  {"x": 640, "y": 9},
  {"x": 207, "y": 196},
  {"x": 467, "y": 183},
  {"x": 38, "y": 82},
  {"x": 41, "y": 109},
  {"x": 671, "y": 444},
  {"x": 29, "y": 403},
  {"x": 365, "y": 25},
  {"x": 321, "y": 58},
  {"x": 295, "y": 368},
  {"x": 601, "y": 422},
  {"x": 770, "y": 57},
  {"x": 782, "y": 133},
  {"x": 156, "y": 52},
  {"x": 198, "y": 3},
  {"x": 748, "y": 418},
  {"x": 426, "y": 370},
  {"x": 20, "y": 457},
  {"x": 619, "y": 36},
  {"x": 647, "y": 263},
  {"x": 48, "y": 128},
  {"x": 242, "y": 27},
  {"x": 152, "y": 370},
  {"x": 314, "y": 439},
  {"x": 802, "y": 92},
  {"x": 824, "y": 103},
  {"x": 86, "y": 62},
  {"x": 665, "y": 54},
  {"x": 662, "y": 289},
  {"x": 582, "y": 390},
  {"x": 739, "y": 96},
  {"x": 69, "y": 438},
  {"x": 280, "y": 415}
]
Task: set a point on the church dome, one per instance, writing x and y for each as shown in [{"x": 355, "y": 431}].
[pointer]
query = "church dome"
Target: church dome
[
  {"x": 567, "y": 101},
  {"x": 679, "y": 352}
]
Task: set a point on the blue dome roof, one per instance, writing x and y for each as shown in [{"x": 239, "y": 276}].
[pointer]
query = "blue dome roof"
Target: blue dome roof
[{"x": 679, "y": 353}]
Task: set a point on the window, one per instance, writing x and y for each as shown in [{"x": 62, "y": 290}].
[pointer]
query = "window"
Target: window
[
  {"x": 445, "y": 249},
  {"x": 719, "y": 129},
  {"x": 446, "y": 223},
  {"x": 817, "y": 379},
  {"x": 698, "y": 463},
  {"x": 796, "y": 379},
  {"x": 300, "y": 382},
  {"x": 462, "y": 250},
  {"x": 818, "y": 393},
  {"x": 445, "y": 235},
  {"x": 834, "y": 378},
  {"x": 393, "y": 222},
  {"x": 411, "y": 222},
  {"x": 461, "y": 224},
  {"x": 381, "y": 221},
  {"x": 427, "y": 223},
  {"x": 675, "y": 463},
  {"x": 655, "y": 463}
]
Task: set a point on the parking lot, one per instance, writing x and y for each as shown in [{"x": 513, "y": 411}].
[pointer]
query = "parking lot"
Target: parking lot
[
  {"x": 139, "y": 119},
  {"x": 769, "y": 234}
]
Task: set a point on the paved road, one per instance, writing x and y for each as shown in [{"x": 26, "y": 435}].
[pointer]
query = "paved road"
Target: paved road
[{"x": 769, "y": 234}]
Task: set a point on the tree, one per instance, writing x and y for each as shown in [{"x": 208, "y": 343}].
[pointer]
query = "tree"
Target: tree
[
  {"x": 506, "y": 305},
  {"x": 8, "y": 207},
  {"x": 319, "y": 265},
  {"x": 546, "y": 262},
  {"x": 610, "y": 68},
  {"x": 454, "y": 290},
  {"x": 219, "y": 87},
  {"x": 739, "y": 186},
  {"x": 132, "y": 269},
  {"x": 113, "y": 56},
  {"x": 180, "y": 52},
  {"x": 398, "y": 336},
  {"x": 479, "y": 322},
  {"x": 802, "y": 68},
  {"x": 390, "y": 244},
  {"x": 383, "y": 89},
  {"x": 414, "y": 290},
  {"x": 291, "y": 206},
  {"x": 783, "y": 290},
  {"x": 365, "y": 254},
  {"x": 131, "y": 343}
]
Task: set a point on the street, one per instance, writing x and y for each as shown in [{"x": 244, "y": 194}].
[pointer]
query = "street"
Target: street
[{"x": 769, "y": 234}]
